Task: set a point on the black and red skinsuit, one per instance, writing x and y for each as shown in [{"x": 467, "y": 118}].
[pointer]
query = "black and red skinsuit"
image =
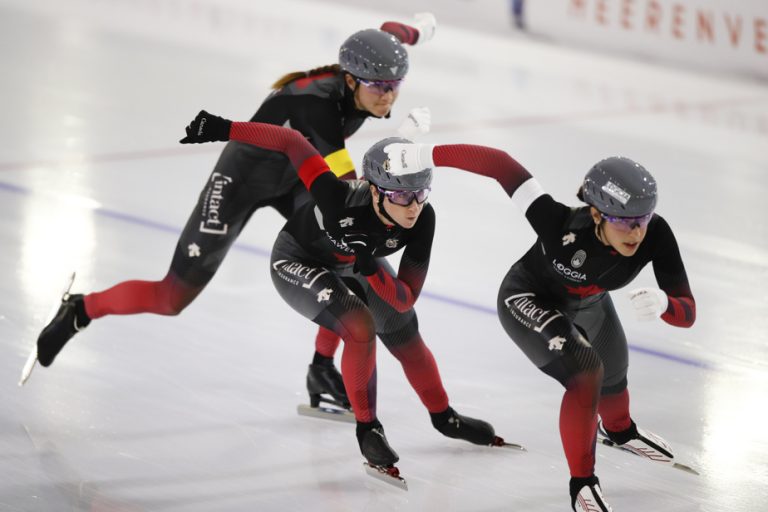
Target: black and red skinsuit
[
  {"x": 554, "y": 301},
  {"x": 312, "y": 269}
]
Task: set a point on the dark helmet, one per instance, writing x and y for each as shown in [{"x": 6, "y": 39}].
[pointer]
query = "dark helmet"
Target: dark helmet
[
  {"x": 621, "y": 187},
  {"x": 373, "y": 54},
  {"x": 376, "y": 169}
]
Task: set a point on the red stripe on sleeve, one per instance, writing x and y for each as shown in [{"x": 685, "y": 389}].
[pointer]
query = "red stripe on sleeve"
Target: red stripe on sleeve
[
  {"x": 681, "y": 312},
  {"x": 311, "y": 168}
]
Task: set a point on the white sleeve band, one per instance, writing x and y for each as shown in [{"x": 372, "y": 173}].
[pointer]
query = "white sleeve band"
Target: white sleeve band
[
  {"x": 425, "y": 156},
  {"x": 527, "y": 193}
]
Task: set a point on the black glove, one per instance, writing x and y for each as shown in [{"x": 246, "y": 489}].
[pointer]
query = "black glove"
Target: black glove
[
  {"x": 207, "y": 128},
  {"x": 362, "y": 246}
]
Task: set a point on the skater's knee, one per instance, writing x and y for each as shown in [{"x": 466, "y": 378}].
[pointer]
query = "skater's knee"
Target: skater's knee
[
  {"x": 174, "y": 308},
  {"x": 583, "y": 370},
  {"x": 358, "y": 327},
  {"x": 585, "y": 386},
  {"x": 172, "y": 304},
  {"x": 173, "y": 295}
]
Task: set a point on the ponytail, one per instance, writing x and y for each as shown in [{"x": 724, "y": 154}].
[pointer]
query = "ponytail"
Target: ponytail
[{"x": 296, "y": 75}]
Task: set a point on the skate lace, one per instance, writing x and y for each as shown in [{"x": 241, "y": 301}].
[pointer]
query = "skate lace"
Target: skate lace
[{"x": 456, "y": 420}]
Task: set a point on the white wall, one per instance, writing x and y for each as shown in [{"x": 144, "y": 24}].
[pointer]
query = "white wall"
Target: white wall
[{"x": 729, "y": 37}]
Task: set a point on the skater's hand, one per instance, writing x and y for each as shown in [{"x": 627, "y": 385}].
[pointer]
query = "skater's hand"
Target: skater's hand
[
  {"x": 418, "y": 122},
  {"x": 207, "y": 128},
  {"x": 426, "y": 24},
  {"x": 362, "y": 246},
  {"x": 649, "y": 303},
  {"x": 409, "y": 158}
]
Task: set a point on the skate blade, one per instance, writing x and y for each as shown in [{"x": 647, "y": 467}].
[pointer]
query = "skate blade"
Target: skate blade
[
  {"x": 32, "y": 358},
  {"x": 28, "y": 366},
  {"x": 326, "y": 413},
  {"x": 677, "y": 465},
  {"x": 501, "y": 443},
  {"x": 390, "y": 475}
]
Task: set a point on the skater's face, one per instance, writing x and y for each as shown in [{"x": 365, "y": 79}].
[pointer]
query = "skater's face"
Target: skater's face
[
  {"x": 623, "y": 234},
  {"x": 404, "y": 215},
  {"x": 374, "y": 97}
]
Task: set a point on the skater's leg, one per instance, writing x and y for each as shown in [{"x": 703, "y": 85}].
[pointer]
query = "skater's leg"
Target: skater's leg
[
  {"x": 601, "y": 325},
  {"x": 203, "y": 244},
  {"x": 399, "y": 332},
  {"x": 166, "y": 297},
  {"x": 551, "y": 340},
  {"x": 320, "y": 295},
  {"x": 358, "y": 357},
  {"x": 326, "y": 343},
  {"x": 418, "y": 364},
  {"x": 614, "y": 411},
  {"x": 578, "y": 419}
]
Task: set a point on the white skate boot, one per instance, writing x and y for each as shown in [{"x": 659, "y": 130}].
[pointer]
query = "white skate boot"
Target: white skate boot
[{"x": 586, "y": 495}]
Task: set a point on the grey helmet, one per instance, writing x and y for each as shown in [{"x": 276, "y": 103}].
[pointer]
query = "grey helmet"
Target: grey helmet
[
  {"x": 621, "y": 187},
  {"x": 376, "y": 169},
  {"x": 373, "y": 54}
]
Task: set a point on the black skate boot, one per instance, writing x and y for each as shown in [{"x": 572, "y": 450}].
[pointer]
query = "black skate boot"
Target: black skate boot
[
  {"x": 454, "y": 425},
  {"x": 68, "y": 321},
  {"x": 374, "y": 446},
  {"x": 324, "y": 378},
  {"x": 586, "y": 495},
  {"x": 381, "y": 458}
]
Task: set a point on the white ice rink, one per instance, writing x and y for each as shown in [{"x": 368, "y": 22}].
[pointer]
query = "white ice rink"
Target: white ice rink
[{"x": 198, "y": 412}]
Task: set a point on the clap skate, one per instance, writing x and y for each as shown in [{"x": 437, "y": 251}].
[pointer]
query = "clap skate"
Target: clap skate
[
  {"x": 325, "y": 386},
  {"x": 586, "y": 495},
  {"x": 454, "y": 425},
  {"x": 381, "y": 458},
  {"x": 66, "y": 319},
  {"x": 642, "y": 443}
]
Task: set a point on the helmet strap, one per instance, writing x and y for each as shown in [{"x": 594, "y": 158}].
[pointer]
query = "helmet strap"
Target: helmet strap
[{"x": 384, "y": 212}]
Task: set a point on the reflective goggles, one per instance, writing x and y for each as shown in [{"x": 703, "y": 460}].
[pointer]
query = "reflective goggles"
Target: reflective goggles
[
  {"x": 628, "y": 223},
  {"x": 380, "y": 87},
  {"x": 406, "y": 197}
]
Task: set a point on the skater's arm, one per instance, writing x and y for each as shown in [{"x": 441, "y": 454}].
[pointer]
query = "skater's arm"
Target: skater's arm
[
  {"x": 310, "y": 166},
  {"x": 402, "y": 291},
  {"x": 541, "y": 210},
  {"x": 671, "y": 276},
  {"x": 419, "y": 31}
]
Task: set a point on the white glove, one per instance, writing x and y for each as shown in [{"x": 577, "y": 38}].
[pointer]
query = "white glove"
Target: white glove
[
  {"x": 418, "y": 121},
  {"x": 426, "y": 24},
  {"x": 408, "y": 158},
  {"x": 649, "y": 303}
]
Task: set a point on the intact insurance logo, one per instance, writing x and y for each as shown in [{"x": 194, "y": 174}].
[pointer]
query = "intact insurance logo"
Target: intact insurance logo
[
  {"x": 212, "y": 203},
  {"x": 525, "y": 308}
]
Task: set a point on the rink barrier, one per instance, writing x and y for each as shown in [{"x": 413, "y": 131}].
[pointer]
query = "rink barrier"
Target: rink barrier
[{"x": 725, "y": 37}]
